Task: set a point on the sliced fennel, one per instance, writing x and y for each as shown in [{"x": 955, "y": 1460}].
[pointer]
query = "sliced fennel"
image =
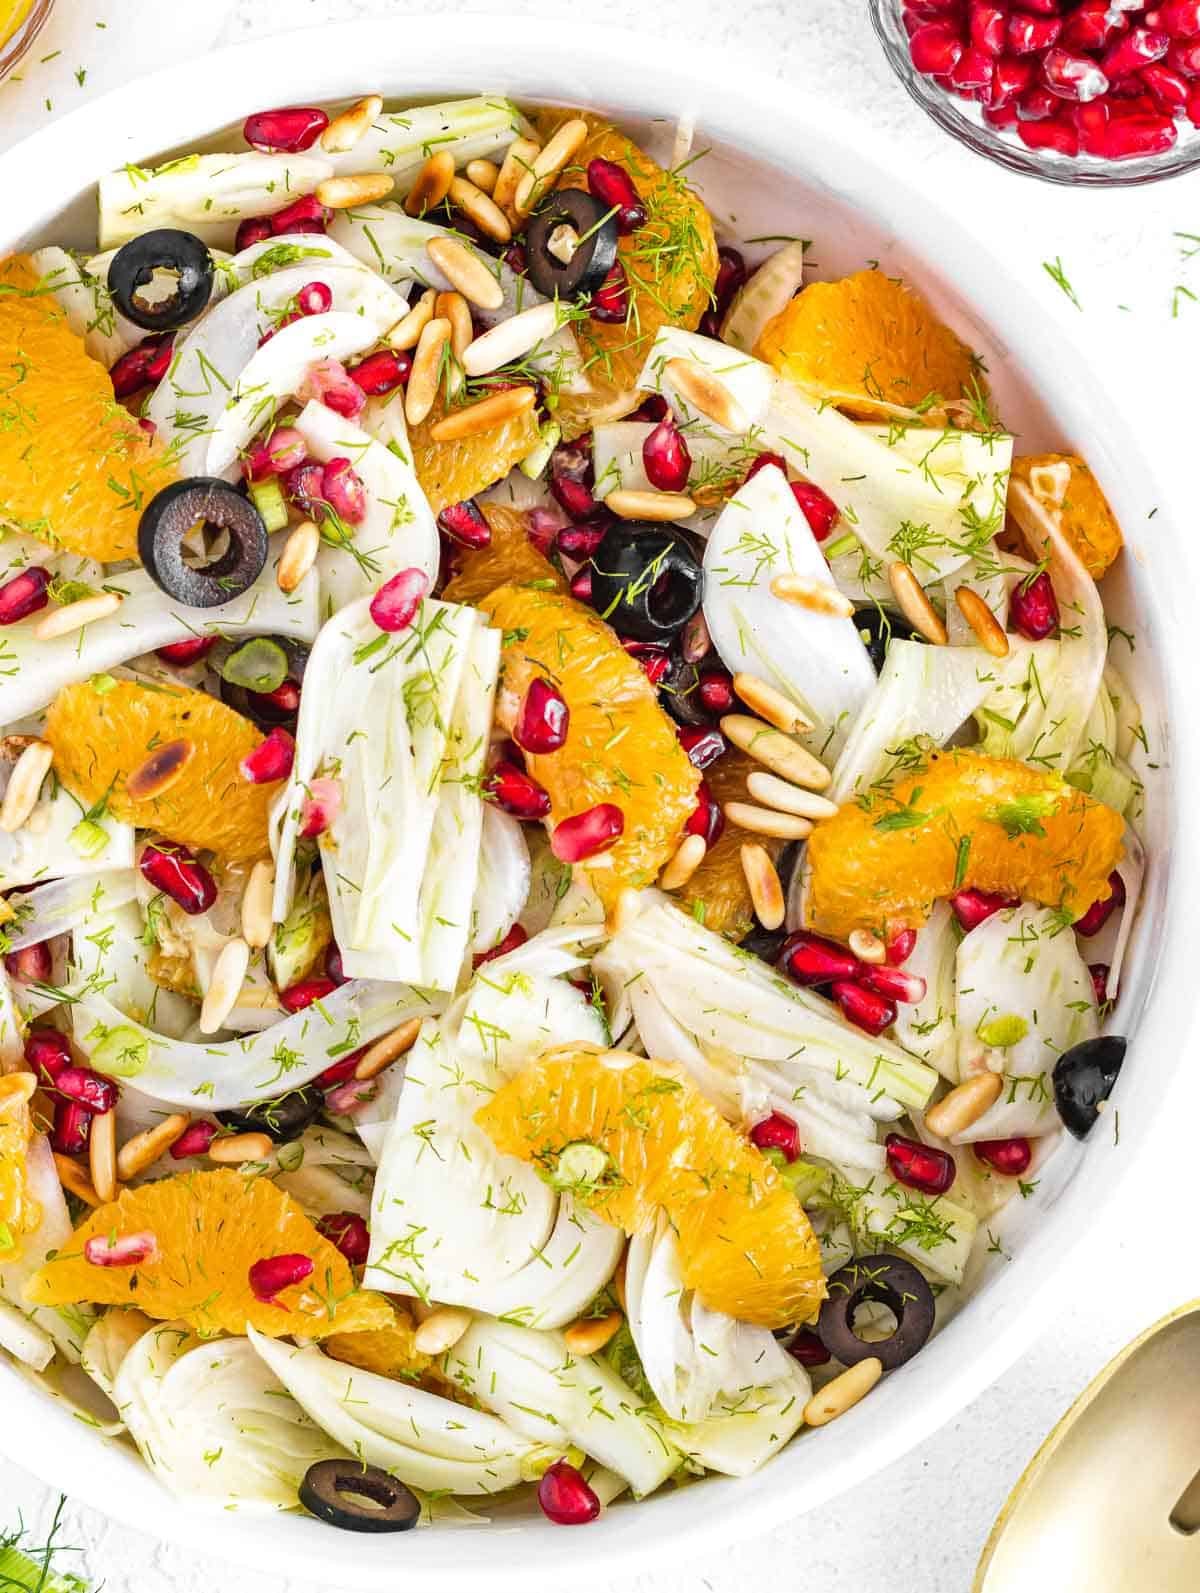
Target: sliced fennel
[
  {"x": 109, "y": 953},
  {"x": 89, "y": 309},
  {"x": 505, "y": 873},
  {"x": 763, "y": 296},
  {"x": 926, "y": 1027},
  {"x": 203, "y": 194},
  {"x": 62, "y": 905},
  {"x": 23, "y": 1339},
  {"x": 46, "y": 851},
  {"x": 399, "y": 142},
  {"x": 109, "y": 1341}
]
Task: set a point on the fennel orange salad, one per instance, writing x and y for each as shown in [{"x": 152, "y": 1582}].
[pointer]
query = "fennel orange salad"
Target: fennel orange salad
[{"x": 569, "y": 824}]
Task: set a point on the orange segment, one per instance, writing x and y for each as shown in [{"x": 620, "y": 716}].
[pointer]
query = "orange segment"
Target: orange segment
[
  {"x": 389, "y": 1350},
  {"x": 510, "y": 559},
  {"x": 76, "y": 468},
  {"x": 870, "y": 345},
  {"x": 19, "y": 1214},
  {"x": 745, "y": 1243},
  {"x": 961, "y": 820},
  {"x": 717, "y": 893},
  {"x": 452, "y": 472},
  {"x": 620, "y": 745},
  {"x": 1087, "y": 520},
  {"x": 100, "y": 736},
  {"x": 211, "y": 1228}
]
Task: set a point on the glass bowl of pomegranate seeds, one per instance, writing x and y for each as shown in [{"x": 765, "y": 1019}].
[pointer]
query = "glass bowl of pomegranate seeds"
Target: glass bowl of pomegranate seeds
[{"x": 1095, "y": 93}]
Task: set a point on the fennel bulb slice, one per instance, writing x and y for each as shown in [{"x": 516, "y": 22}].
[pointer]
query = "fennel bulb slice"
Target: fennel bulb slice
[
  {"x": 399, "y": 142},
  {"x": 88, "y": 306},
  {"x": 203, "y": 194},
  {"x": 47, "y": 851},
  {"x": 62, "y": 905},
  {"x": 764, "y": 295},
  {"x": 505, "y": 876},
  {"x": 926, "y": 1027}
]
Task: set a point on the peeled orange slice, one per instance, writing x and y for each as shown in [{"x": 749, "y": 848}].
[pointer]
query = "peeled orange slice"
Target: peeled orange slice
[
  {"x": 1066, "y": 487},
  {"x": 389, "y": 1350},
  {"x": 717, "y": 893},
  {"x": 452, "y": 472},
  {"x": 19, "y": 1214},
  {"x": 510, "y": 559}
]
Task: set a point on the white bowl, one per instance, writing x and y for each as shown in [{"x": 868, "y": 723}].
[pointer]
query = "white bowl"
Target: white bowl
[{"x": 776, "y": 167}]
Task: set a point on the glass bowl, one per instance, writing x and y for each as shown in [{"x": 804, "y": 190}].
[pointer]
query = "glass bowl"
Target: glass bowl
[
  {"x": 14, "y": 44},
  {"x": 963, "y": 120}
]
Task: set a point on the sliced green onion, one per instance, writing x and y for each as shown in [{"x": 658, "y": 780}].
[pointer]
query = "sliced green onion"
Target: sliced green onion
[
  {"x": 259, "y": 665},
  {"x": 88, "y": 838},
  {"x": 535, "y": 462},
  {"x": 580, "y": 1166},
  {"x": 267, "y": 498},
  {"x": 843, "y": 544},
  {"x": 123, "y": 1052}
]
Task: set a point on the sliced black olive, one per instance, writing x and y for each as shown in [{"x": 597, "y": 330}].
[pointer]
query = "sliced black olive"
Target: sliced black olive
[
  {"x": 888, "y": 1281},
  {"x": 765, "y": 944},
  {"x": 571, "y": 245},
  {"x": 1083, "y": 1078},
  {"x": 358, "y": 1498},
  {"x": 646, "y": 581},
  {"x": 239, "y": 541},
  {"x": 879, "y": 627},
  {"x": 679, "y": 693},
  {"x": 167, "y": 249},
  {"x": 269, "y": 710},
  {"x": 282, "y": 1120}
]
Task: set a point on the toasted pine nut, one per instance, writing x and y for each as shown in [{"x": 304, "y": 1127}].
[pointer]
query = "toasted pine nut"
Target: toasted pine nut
[
  {"x": 518, "y": 160},
  {"x": 229, "y": 972},
  {"x": 689, "y": 855},
  {"x": 510, "y": 339},
  {"x": 776, "y": 752},
  {"x": 426, "y": 371},
  {"x": 988, "y": 630},
  {"x": 441, "y": 1330},
  {"x": 867, "y": 946},
  {"x": 257, "y": 900},
  {"x": 72, "y": 1176},
  {"x": 454, "y": 308},
  {"x": 591, "y": 1334},
  {"x": 345, "y": 130},
  {"x": 818, "y": 596},
  {"x": 482, "y": 210},
  {"x": 773, "y": 792},
  {"x": 161, "y": 770},
  {"x": 699, "y": 388},
  {"x": 964, "y": 1104},
  {"x": 483, "y": 174},
  {"x": 144, "y": 1149},
  {"x": 25, "y": 784},
  {"x": 407, "y": 331},
  {"x": 234, "y": 1148},
  {"x": 74, "y": 616},
  {"x": 486, "y": 415},
  {"x": 770, "y": 704},
  {"x": 767, "y": 821},
  {"x": 466, "y": 272},
  {"x": 102, "y": 1155},
  {"x": 631, "y": 504},
  {"x": 343, "y": 193},
  {"x": 387, "y": 1049},
  {"x": 432, "y": 184},
  {"x": 766, "y": 892},
  {"x": 844, "y": 1392},
  {"x": 299, "y": 554},
  {"x": 547, "y": 163},
  {"x": 914, "y": 603}
]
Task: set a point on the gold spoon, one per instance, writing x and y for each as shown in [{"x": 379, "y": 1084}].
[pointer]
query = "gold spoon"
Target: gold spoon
[{"x": 1111, "y": 1501}]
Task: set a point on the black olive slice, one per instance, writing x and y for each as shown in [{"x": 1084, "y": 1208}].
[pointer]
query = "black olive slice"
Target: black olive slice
[
  {"x": 1083, "y": 1079},
  {"x": 879, "y": 627},
  {"x": 571, "y": 245},
  {"x": 888, "y": 1281},
  {"x": 358, "y": 1498},
  {"x": 168, "y": 249},
  {"x": 679, "y": 693},
  {"x": 646, "y": 581},
  {"x": 283, "y": 1119},
  {"x": 240, "y": 545}
]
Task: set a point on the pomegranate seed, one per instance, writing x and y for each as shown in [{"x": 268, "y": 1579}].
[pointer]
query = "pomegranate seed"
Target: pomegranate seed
[
  {"x": 543, "y": 526},
  {"x": 610, "y": 302},
  {"x": 1099, "y": 972},
  {"x": 347, "y": 1098},
  {"x": 613, "y": 185},
  {"x": 47, "y": 1052},
  {"x": 173, "y": 870},
  {"x": 333, "y": 963},
  {"x": 181, "y": 654},
  {"x": 347, "y": 1232},
  {"x": 1008, "y": 1156},
  {"x": 121, "y": 1250},
  {"x": 1179, "y": 18},
  {"x": 665, "y": 458},
  {"x": 807, "y": 1348},
  {"x": 395, "y": 605},
  {"x": 989, "y": 27},
  {"x": 306, "y": 214},
  {"x": 515, "y": 937},
  {"x": 271, "y": 760},
  {"x": 587, "y": 834},
  {"x": 715, "y": 691},
  {"x": 315, "y": 298},
  {"x": 516, "y": 792},
  {"x": 653, "y": 408},
  {"x": 273, "y": 1273},
  {"x": 1137, "y": 48},
  {"x": 1193, "y": 107},
  {"x": 305, "y": 991},
  {"x": 1184, "y": 57},
  {"x": 935, "y": 48},
  {"x": 255, "y": 229},
  {"x": 1037, "y": 103},
  {"x": 706, "y": 818},
  {"x": 893, "y": 983},
  {"x": 1128, "y": 137},
  {"x": 322, "y": 804},
  {"x": 973, "y": 71},
  {"x": 695, "y": 642},
  {"x": 143, "y": 366},
  {"x": 580, "y": 541},
  {"x": 972, "y": 907},
  {"x": 31, "y": 965},
  {"x": 1002, "y": 116},
  {"x": 285, "y": 699},
  {"x": 1092, "y": 25},
  {"x": 341, "y": 1070},
  {"x": 863, "y": 1007},
  {"x": 1170, "y": 88},
  {"x": 818, "y": 508},
  {"x": 1032, "y": 35},
  {"x": 731, "y": 275},
  {"x": 1092, "y": 124},
  {"x": 194, "y": 1141},
  {"x": 382, "y": 372},
  {"x": 72, "y": 1128},
  {"x": 655, "y": 661},
  {"x": 1045, "y": 8},
  {"x": 303, "y": 487},
  {"x": 343, "y": 491},
  {"x": 1073, "y": 77},
  {"x": 330, "y": 384},
  {"x": 810, "y": 960},
  {"x": 919, "y": 1166},
  {"x": 580, "y": 585},
  {"x": 1033, "y": 607},
  {"x": 777, "y": 1133},
  {"x": 900, "y": 945},
  {"x": 703, "y": 744},
  {"x": 761, "y": 463},
  {"x": 565, "y": 1497},
  {"x": 24, "y": 595},
  {"x": 1099, "y": 913},
  {"x": 283, "y": 450},
  {"x": 543, "y": 720},
  {"x": 464, "y": 522},
  {"x": 92, "y": 1091},
  {"x": 289, "y": 129},
  {"x": 574, "y": 496}
]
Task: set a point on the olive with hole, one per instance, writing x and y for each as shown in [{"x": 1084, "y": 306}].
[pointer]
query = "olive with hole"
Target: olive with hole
[
  {"x": 879, "y": 627},
  {"x": 282, "y": 1120},
  {"x": 207, "y": 510},
  {"x": 571, "y": 245},
  {"x": 883, "y": 1280},
  {"x": 1083, "y": 1080},
  {"x": 646, "y": 581},
  {"x": 174, "y": 253},
  {"x": 358, "y": 1498}
]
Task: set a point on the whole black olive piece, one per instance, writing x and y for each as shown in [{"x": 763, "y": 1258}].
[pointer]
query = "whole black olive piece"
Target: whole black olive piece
[
  {"x": 283, "y": 1119},
  {"x": 765, "y": 944},
  {"x": 571, "y": 245},
  {"x": 646, "y": 581},
  {"x": 888, "y": 1281},
  {"x": 173, "y": 512},
  {"x": 281, "y": 706},
  {"x": 1083, "y": 1079},
  {"x": 879, "y": 627},
  {"x": 358, "y": 1498},
  {"x": 165, "y": 249}
]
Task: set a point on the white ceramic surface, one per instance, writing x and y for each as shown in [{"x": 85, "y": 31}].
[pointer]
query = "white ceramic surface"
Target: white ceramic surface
[{"x": 798, "y": 170}]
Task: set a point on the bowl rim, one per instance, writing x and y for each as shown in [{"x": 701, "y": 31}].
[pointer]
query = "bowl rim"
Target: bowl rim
[{"x": 758, "y": 115}]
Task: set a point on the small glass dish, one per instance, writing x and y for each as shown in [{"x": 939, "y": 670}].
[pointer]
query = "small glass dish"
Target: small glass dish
[
  {"x": 964, "y": 121},
  {"x": 15, "y": 39}
]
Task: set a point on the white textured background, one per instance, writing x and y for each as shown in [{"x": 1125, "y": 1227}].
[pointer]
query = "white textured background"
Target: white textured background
[{"x": 922, "y": 1523}]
